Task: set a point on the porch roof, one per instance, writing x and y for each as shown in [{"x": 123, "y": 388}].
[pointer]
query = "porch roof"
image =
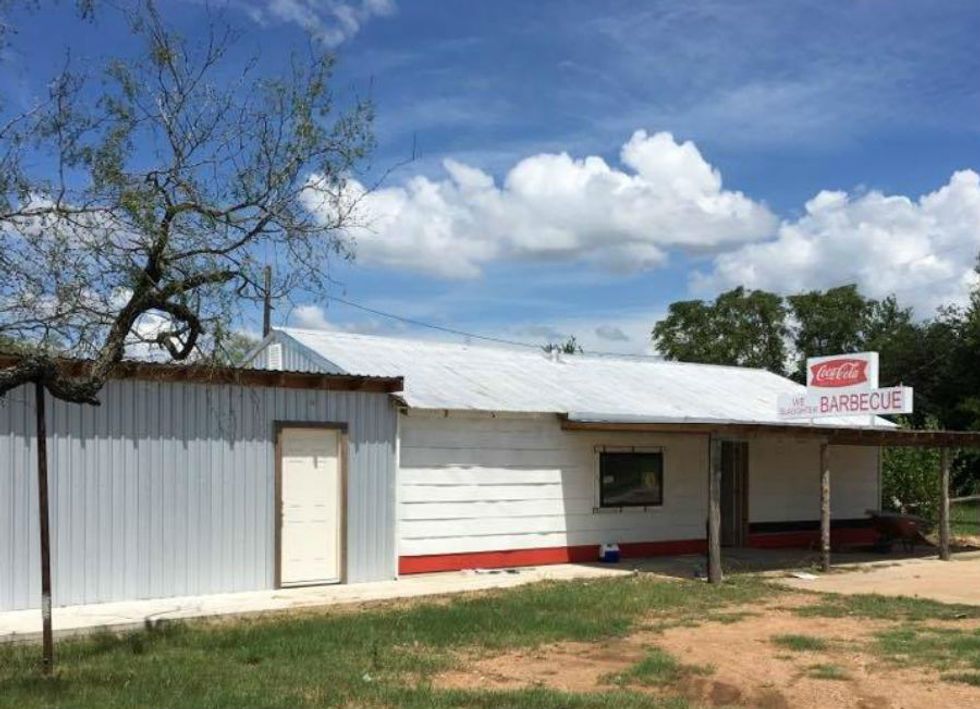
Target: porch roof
[{"x": 832, "y": 434}]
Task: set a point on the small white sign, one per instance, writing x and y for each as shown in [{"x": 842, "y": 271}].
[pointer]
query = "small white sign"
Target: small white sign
[{"x": 890, "y": 400}]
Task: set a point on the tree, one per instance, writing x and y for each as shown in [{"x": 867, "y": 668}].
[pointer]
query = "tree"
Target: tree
[
  {"x": 829, "y": 322},
  {"x": 165, "y": 194},
  {"x": 569, "y": 346},
  {"x": 740, "y": 327}
]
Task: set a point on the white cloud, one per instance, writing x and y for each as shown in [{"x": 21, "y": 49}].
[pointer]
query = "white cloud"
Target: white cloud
[
  {"x": 330, "y": 21},
  {"x": 922, "y": 250},
  {"x": 311, "y": 317},
  {"x": 552, "y": 206}
]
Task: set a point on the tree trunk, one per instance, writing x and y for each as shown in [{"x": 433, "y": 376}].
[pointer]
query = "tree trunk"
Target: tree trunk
[
  {"x": 47, "y": 659},
  {"x": 714, "y": 511},
  {"x": 944, "y": 504},
  {"x": 824, "y": 507}
]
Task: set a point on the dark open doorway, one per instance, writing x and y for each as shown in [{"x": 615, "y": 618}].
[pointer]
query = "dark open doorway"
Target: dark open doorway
[{"x": 734, "y": 493}]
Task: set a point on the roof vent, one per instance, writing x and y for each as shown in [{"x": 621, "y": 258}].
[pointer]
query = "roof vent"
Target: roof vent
[{"x": 273, "y": 358}]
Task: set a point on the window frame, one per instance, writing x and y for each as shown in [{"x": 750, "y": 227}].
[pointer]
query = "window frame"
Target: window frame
[{"x": 598, "y": 507}]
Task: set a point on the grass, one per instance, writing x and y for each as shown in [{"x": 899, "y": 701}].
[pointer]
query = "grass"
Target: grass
[
  {"x": 828, "y": 672},
  {"x": 941, "y": 648},
  {"x": 964, "y": 518},
  {"x": 886, "y": 608},
  {"x": 657, "y": 669},
  {"x": 380, "y": 657},
  {"x": 953, "y": 651},
  {"x": 963, "y": 677},
  {"x": 800, "y": 643}
]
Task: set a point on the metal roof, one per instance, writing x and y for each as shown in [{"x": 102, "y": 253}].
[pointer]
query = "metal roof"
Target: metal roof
[{"x": 454, "y": 376}]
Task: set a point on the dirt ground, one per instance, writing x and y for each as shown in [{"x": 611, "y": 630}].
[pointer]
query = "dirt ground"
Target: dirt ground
[
  {"x": 744, "y": 667},
  {"x": 956, "y": 581}
]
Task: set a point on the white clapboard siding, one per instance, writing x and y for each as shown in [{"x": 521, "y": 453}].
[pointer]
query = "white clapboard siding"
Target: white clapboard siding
[
  {"x": 582, "y": 522},
  {"x": 624, "y": 534},
  {"x": 784, "y": 480},
  {"x": 479, "y": 509},
  {"x": 470, "y": 484},
  {"x": 493, "y": 475},
  {"x": 490, "y": 492},
  {"x": 490, "y": 456}
]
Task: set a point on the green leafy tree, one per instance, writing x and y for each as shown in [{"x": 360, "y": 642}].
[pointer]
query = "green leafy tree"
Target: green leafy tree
[
  {"x": 740, "y": 327},
  {"x": 828, "y": 322},
  {"x": 910, "y": 478}
]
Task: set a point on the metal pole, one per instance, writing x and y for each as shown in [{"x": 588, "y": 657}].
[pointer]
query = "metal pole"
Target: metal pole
[
  {"x": 714, "y": 511},
  {"x": 824, "y": 507},
  {"x": 47, "y": 660},
  {"x": 944, "y": 504}
]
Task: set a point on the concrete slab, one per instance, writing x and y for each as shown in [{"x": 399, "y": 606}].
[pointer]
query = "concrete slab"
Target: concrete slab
[
  {"x": 956, "y": 581},
  {"x": 25, "y": 625}
]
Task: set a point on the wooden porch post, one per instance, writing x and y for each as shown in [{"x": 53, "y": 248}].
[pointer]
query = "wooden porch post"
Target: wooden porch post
[
  {"x": 944, "y": 504},
  {"x": 714, "y": 510},
  {"x": 824, "y": 507}
]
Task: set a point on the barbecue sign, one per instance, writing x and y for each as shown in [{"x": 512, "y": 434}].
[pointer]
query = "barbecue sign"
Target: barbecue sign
[{"x": 844, "y": 385}]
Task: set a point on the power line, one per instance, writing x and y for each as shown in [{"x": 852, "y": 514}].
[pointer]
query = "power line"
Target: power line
[
  {"x": 441, "y": 328},
  {"x": 464, "y": 333}
]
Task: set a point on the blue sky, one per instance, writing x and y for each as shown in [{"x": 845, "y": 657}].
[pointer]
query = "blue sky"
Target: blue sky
[{"x": 811, "y": 144}]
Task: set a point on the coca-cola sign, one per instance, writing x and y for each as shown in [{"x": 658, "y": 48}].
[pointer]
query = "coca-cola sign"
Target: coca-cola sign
[
  {"x": 844, "y": 385},
  {"x": 841, "y": 372}
]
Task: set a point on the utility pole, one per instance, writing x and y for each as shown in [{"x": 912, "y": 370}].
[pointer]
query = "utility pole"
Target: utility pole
[
  {"x": 47, "y": 659},
  {"x": 267, "y": 303}
]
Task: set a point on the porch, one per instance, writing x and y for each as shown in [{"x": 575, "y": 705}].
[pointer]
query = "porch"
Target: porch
[{"x": 723, "y": 457}]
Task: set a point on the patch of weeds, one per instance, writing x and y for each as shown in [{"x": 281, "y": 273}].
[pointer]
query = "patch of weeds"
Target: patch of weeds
[
  {"x": 963, "y": 677},
  {"x": 733, "y": 617},
  {"x": 658, "y": 668},
  {"x": 536, "y": 698},
  {"x": 830, "y": 672},
  {"x": 942, "y": 648},
  {"x": 886, "y": 608},
  {"x": 800, "y": 643}
]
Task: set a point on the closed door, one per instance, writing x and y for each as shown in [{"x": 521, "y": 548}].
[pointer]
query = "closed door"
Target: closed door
[
  {"x": 312, "y": 506},
  {"x": 734, "y": 492}
]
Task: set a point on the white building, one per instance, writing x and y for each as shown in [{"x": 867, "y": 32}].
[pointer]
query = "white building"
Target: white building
[
  {"x": 344, "y": 458},
  {"x": 513, "y": 457},
  {"x": 191, "y": 481}
]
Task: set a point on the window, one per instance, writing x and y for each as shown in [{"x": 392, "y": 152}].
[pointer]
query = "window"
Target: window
[{"x": 631, "y": 479}]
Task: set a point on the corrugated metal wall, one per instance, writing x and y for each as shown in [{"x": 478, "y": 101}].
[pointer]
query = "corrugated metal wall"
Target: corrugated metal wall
[
  {"x": 167, "y": 489},
  {"x": 294, "y": 357}
]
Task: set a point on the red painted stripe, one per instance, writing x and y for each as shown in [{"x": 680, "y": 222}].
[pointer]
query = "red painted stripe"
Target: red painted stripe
[
  {"x": 541, "y": 557},
  {"x": 590, "y": 552},
  {"x": 780, "y": 540}
]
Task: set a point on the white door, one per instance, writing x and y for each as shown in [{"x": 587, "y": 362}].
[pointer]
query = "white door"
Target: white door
[{"x": 311, "y": 506}]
